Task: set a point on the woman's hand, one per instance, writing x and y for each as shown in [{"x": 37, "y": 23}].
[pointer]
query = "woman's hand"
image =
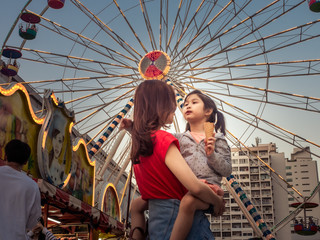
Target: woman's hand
[
  {"x": 210, "y": 145},
  {"x": 219, "y": 207},
  {"x": 126, "y": 124}
]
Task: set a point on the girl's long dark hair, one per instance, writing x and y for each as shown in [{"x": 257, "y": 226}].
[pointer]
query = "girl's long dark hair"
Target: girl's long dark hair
[
  {"x": 154, "y": 101},
  {"x": 208, "y": 105}
]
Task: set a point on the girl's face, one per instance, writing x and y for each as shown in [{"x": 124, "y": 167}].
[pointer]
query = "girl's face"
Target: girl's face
[
  {"x": 57, "y": 143},
  {"x": 193, "y": 109}
]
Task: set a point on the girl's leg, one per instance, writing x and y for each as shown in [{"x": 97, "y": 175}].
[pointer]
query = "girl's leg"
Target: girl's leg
[
  {"x": 200, "y": 227},
  {"x": 138, "y": 222},
  {"x": 189, "y": 204}
]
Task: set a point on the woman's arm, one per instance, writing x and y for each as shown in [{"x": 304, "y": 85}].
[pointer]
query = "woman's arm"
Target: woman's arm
[{"x": 182, "y": 171}]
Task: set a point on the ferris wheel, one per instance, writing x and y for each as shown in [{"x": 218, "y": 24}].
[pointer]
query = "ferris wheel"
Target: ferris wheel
[{"x": 257, "y": 59}]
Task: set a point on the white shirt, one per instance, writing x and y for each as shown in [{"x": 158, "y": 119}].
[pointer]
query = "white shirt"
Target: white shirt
[{"x": 20, "y": 204}]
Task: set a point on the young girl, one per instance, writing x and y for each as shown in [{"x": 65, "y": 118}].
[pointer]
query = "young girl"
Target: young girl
[
  {"x": 210, "y": 160},
  {"x": 210, "y": 164},
  {"x": 162, "y": 175}
]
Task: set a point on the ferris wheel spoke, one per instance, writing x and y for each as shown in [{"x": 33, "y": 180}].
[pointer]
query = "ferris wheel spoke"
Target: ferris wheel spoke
[
  {"x": 256, "y": 122},
  {"x": 231, "y": 46},
  {"x": 98, "y": 108},
  {"x": 228, "y": 78},
  {"x": 148, "y": 24},
  {"x": 112, "y": 34},
  {"x": 288, "y": 39},
  {"x": 131, "y": 27},
  {"x": 105, "y": 106},
  {"x": 84, "y": 41},
  {"x": 205, "y": 41},
  {"x": 173, "y": 26},
  {"x": 102, "y": 126},
  {"x": 97, "y": 92},
  {"x": 164, "y": 23},
  {"x": 198, "y": 33},
  {"x": 73, "y": 62},
  {"x": 298, "y": 70},
  {"x": 270, "y": 97},
  {"x": 291, "y": 138},
  {"x": 300, "y": 37},
  {"x": 192, "y": 21},
  {"x": 250, "y": 31}
]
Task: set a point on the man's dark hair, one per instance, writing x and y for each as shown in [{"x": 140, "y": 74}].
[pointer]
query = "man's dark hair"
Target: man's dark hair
[{"x": 17, "y": 151}]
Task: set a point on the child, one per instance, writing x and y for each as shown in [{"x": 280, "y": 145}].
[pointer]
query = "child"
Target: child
[
  {"x": 162, "y": 175},
  {"x": 207, "y": 163}
]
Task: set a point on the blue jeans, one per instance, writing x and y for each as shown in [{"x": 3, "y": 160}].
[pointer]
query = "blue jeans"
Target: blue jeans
[{"x": 162, "y": 215}]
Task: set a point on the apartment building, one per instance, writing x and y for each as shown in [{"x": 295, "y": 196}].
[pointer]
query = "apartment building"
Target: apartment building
[
  {"x": 302, "y": 174},
  {"x": 262, "y": 188}
]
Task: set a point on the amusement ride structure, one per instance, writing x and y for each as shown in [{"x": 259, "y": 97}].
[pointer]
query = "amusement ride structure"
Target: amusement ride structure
[{"x": 254, "y": 58}]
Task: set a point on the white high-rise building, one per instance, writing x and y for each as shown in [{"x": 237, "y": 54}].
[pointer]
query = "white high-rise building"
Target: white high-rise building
[
  {"x": 263, "y": 189},
  {"x": 302, "y": 174}
]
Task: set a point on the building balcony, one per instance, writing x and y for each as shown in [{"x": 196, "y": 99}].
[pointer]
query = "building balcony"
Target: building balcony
[{"x": 254, "y": 179}]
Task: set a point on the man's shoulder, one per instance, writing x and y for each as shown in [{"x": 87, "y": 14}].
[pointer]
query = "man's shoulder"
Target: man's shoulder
[
  {"x": 8, "y": 173},
  {"x": 28, "y": 180}
]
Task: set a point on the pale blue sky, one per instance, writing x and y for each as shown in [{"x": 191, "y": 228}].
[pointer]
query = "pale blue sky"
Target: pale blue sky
[{"x": 305, "y": 124}]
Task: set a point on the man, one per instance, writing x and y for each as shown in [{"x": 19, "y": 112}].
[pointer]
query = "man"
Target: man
[{"x": 20, "y": 202}]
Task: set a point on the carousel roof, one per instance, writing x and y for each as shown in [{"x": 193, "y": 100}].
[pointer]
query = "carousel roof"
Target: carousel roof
[{"x": 70, "y": 211}]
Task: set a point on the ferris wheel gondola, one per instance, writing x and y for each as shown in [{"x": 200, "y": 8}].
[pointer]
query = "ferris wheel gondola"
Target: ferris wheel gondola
[
  {"x": 11, "y": 66},
  {"x": 306, "y": 226},
  {"x": 29, "y": 31},
  {"x": 56, "y": 4},
  {"x": 314, "y": 5}
]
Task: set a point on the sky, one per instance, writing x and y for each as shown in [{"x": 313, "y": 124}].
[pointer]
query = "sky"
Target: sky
[{"x": 302, "y": 123}]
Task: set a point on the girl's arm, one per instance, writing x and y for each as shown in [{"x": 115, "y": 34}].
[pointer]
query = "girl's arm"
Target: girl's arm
[
  {"x": 220, "y": 159},
  {"x": 182, "y": 171}
]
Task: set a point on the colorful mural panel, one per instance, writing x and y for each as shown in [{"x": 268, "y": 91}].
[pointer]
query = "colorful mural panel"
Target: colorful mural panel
[
  {"x": 110, "y": 202},
  {"x": 55, "y": 157},
  {"x": 56, "y": 147},
  {"x": 18, "y": 121},
  {"x": 81, "y": 184}
]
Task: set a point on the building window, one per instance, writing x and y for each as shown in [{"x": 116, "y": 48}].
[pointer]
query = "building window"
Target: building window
[
  {"x": 289, "y": 174},
  {"x": 304, "y": 171},
  {"x": 288, "y": 167},
  {"x": 242, "y": 153},
  {"x": 305, "y": 178},
  {"x": 241, "y": 161}
]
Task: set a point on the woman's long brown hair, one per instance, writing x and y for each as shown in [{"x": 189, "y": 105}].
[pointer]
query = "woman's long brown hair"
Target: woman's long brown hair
[{"x": 154, "y": 101}]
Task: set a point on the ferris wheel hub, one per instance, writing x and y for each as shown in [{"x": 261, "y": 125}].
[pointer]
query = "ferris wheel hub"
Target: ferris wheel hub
[{"x": 154, "y": 65}]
